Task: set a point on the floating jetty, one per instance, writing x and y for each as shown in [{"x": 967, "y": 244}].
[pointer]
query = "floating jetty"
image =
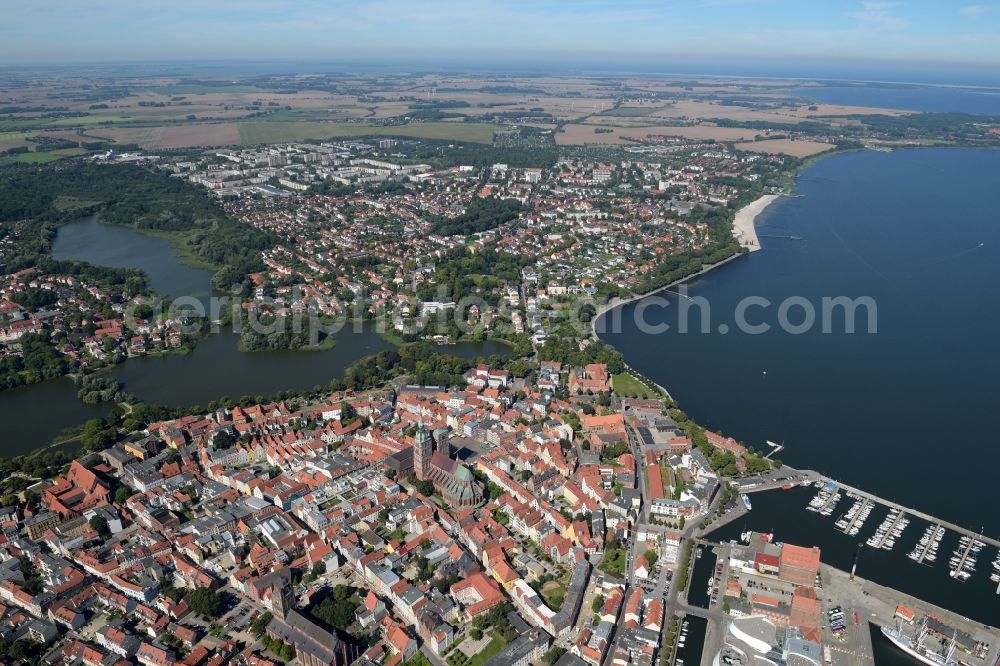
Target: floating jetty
[
  {"x": 927, "y": 548},
  {"x": 911, "y": 512},
  {"x": 890, "y": 530},
  {"x": 852, "y": 521},
  {"x": 825, "y": 500},
  {"x": 963, "y": 560}
]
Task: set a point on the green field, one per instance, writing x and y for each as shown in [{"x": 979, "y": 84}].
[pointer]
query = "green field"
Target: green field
[
  {"x": 15, "y": 136},
  {"x": 14, "y": 125},
  {"x": 94, "y": 120},
  {"x": 43, "y": 157},
  {"x": 252, "y": 133},
  {"x": 554, "y": 592},
  {"x": 630, "y": 111},
  {"x": 199, "y": 89},
  {"x": 628, "y": 386}
]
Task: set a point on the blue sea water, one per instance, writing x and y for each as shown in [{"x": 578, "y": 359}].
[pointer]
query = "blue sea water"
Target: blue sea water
[
  {"x": 932, "y": 99},
  {"x": 908, "y": 412}
]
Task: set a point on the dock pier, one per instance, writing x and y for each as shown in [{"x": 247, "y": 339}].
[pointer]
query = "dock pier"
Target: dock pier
[
  {"x": 831, "y": 501},
  {"x": 889, "y": 532},
  {"x": 923, "y": 516},
  {"x": 865, "y": 503},
  {"x": 964, "y": 557},
  {"x": 922, "y": 555}
]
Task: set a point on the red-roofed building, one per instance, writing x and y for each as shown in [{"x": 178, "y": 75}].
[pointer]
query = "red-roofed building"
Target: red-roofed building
[
  {"x": 477, "y": 594},
  {"x": 799, "y": 565}
]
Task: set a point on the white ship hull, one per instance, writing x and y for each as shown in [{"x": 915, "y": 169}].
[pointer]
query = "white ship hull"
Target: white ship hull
[{"x": 905, "y": 644}]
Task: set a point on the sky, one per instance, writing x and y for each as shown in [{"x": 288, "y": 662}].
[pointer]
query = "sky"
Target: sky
[{"x": 667, "y": 34}]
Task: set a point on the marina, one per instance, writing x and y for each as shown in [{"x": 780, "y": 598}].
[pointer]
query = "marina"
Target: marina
[
  {"x": 826, "y": 499},
  {"x": 916, "y": 565},
  {"x": 963, "y": 560},
  {"x": 852, "y": 521},
  {"x": 890, "y": 530},
  {"x": 927, "y": 549}
]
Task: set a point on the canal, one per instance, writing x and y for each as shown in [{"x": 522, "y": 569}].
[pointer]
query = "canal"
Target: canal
[
  {"x": 692, "y": 633},
  {"x": 702, "y": 577}
]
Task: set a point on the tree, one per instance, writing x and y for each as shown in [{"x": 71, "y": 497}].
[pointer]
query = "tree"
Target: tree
[
  {"x": 553, "y": 655},
  {"x": 259, "y": 625},
  {"x": 100, "y": 525},
  {"x": 122, "y": 494},
  {"x": 337, "y": 609},
  {"x": 475, "y": 633},
  {"x": 205, "y": 602},
  {"x": 96, "y": 435},
  {"x": 424, "y": 486}
]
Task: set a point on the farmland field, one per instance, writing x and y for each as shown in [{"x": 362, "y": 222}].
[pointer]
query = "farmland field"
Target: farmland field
[
  {"x": 798, "y": 148},
  {"x": 43, "y": 157},
  {"x": 14, "y": 139},
  {"x": 583, "y": 134},
  {"x": 174, "y": 136},
  {"x": 252, "y": 133}
]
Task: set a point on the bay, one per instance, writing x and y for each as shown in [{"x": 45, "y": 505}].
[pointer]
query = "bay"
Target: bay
[
  {"x": 907, "y": 412},
  {"x": 926, "y": 99}
]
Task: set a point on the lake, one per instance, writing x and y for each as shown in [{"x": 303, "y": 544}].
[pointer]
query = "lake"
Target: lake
[
  {"x": 906, "y": 413},
  {"x": 35, "y": 414},
  {"x": 119, "y": 247},
  {"x": 928, "y": 99}
]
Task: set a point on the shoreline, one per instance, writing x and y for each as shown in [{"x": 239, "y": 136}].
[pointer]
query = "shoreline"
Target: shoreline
[
  {"x": 754, "y": 209},
  {"x": 744, "y": 217},
  {"x": 744, "y": 229}
]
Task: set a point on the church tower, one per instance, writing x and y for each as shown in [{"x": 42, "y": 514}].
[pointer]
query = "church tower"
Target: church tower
[
  {"x": 423, "y": 449},
  {"x": 282, "y": 598}
]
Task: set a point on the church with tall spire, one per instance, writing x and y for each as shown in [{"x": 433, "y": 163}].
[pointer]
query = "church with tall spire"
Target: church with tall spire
[{"x": 423, "y": 449}]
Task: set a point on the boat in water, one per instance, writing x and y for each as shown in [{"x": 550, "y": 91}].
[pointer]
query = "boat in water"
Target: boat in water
[
  {"x": 914, "y": 646},
  {"x": 746, "y": 502}
]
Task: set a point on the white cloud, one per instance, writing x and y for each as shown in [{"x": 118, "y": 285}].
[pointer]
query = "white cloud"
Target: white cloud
[
  {"x": 973, "y": 11},
  {"x": 879, "y": 15}
]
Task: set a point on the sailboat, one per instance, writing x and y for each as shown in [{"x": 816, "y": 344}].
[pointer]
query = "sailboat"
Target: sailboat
[{"x": 914, "y": 645}]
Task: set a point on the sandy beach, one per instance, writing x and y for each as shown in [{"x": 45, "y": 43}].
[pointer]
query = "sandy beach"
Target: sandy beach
[
  {"x": 743, "y": 223},
  {"x": 743, "y": 230}
]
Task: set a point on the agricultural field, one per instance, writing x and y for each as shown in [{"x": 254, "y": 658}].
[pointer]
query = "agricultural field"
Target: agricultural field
[
  {"x": 252, "y": 133},
  {"x": 42, "y": 157},
  {"x": 163, "y": 113},
  {"x": 15, "y": 139},
  {"x": 580, "y": 134},
  {"x": 795, "y": 148},
  {"x": 173, "y": 136}
]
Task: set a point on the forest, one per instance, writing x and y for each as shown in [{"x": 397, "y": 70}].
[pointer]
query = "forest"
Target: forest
[
  {"x": 464, "y": 273},
  {"x": 127, "y": 195},
  {"x": 482, "y": 214}
]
